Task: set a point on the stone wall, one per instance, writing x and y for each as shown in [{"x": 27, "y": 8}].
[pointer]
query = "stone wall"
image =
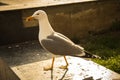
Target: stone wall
[
  {"x": 80, "y": 20},
  {"x": 76, "y": 20}
]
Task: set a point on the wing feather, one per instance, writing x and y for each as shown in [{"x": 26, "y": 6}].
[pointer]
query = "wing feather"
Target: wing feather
[{"x": 60, "y": 45}]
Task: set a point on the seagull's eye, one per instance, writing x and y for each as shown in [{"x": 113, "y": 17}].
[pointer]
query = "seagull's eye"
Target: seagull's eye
[{"x": 37, "y": 14}]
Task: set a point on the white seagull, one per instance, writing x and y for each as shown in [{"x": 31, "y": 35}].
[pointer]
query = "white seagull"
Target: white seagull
[{"x": 55, "y": 42}]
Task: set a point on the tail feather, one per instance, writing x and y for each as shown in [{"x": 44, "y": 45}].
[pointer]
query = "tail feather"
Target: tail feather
[{"x": 89, "y": 55}]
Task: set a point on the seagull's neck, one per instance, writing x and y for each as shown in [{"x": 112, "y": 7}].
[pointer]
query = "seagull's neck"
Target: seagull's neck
[{"x": 45, "y": 28}]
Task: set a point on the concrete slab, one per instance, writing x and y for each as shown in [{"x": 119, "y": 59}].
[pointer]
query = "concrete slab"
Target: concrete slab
[
  {"x": 6, "y": 73},
  {"x": 23, "y": 4},
  {"x": 79, "y": 69}
]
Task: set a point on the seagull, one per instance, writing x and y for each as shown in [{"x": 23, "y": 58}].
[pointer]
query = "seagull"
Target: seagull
[{"x": 55, "y": 42}]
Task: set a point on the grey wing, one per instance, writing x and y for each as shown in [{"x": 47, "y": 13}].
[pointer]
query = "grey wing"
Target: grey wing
[
  {"x": 63, "y": 36},
  {"x": 59, "y": 45},
  {"x": 66, "y": 38}
]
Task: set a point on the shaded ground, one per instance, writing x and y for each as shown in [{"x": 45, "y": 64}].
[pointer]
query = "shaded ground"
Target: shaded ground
[{"x": 22, "y": 53}]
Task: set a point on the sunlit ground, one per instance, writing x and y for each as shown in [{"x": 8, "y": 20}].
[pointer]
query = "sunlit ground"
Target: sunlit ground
[{"x": 78, "y": 69}]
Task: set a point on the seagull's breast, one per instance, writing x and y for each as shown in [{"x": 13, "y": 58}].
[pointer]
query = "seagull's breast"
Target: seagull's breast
[{"x": 45, "y": 29}]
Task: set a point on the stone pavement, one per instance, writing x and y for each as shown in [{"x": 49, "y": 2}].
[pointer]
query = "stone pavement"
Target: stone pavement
[{"x": 79, "y": 69}]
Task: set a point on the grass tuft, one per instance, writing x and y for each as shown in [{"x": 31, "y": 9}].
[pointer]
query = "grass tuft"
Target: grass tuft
[
  {"x": 112, "y": 63},
  {"x": 106, "y": 46}
]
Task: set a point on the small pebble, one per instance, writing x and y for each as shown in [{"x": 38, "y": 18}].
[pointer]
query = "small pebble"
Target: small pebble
[
  {"x": 17, "y": 68},
  {"x": 89, "y": 78},
  {"x": 58, "y": 72},
  {"x": 44, "y": 72},
  {"x": 38, "y": 54},
  {"x": 78, "y": 64},
  {"x": 9, "y": 47},
  {"x": 17, "y": 46},
  {"x": 99, "y": 79},
  {"x": 83, "y": 69},
  {"x": 33, "y": 43},
  {"x": 70, "y": 63}
]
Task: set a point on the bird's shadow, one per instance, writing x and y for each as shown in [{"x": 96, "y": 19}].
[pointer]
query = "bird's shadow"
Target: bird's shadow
[
  {"x": 52, "y": 74},
  {"x": 61, "y": 77}
]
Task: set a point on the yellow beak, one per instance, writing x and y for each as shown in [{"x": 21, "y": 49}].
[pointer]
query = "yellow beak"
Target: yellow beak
[{"x": 29, "y": 18}]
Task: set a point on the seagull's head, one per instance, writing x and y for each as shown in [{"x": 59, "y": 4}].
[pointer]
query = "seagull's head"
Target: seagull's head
[{"x": 38, "y": 15}]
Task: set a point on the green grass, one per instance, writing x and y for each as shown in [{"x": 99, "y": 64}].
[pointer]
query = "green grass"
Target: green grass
[
  {"x": 107, "y": 46},
  {"x": 112, "y": 63}
]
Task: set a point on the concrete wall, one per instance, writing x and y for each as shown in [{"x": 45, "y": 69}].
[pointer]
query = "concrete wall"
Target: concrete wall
[
  {"x": 73, "y": 20},
  {"x": 6, "y": 73}
]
